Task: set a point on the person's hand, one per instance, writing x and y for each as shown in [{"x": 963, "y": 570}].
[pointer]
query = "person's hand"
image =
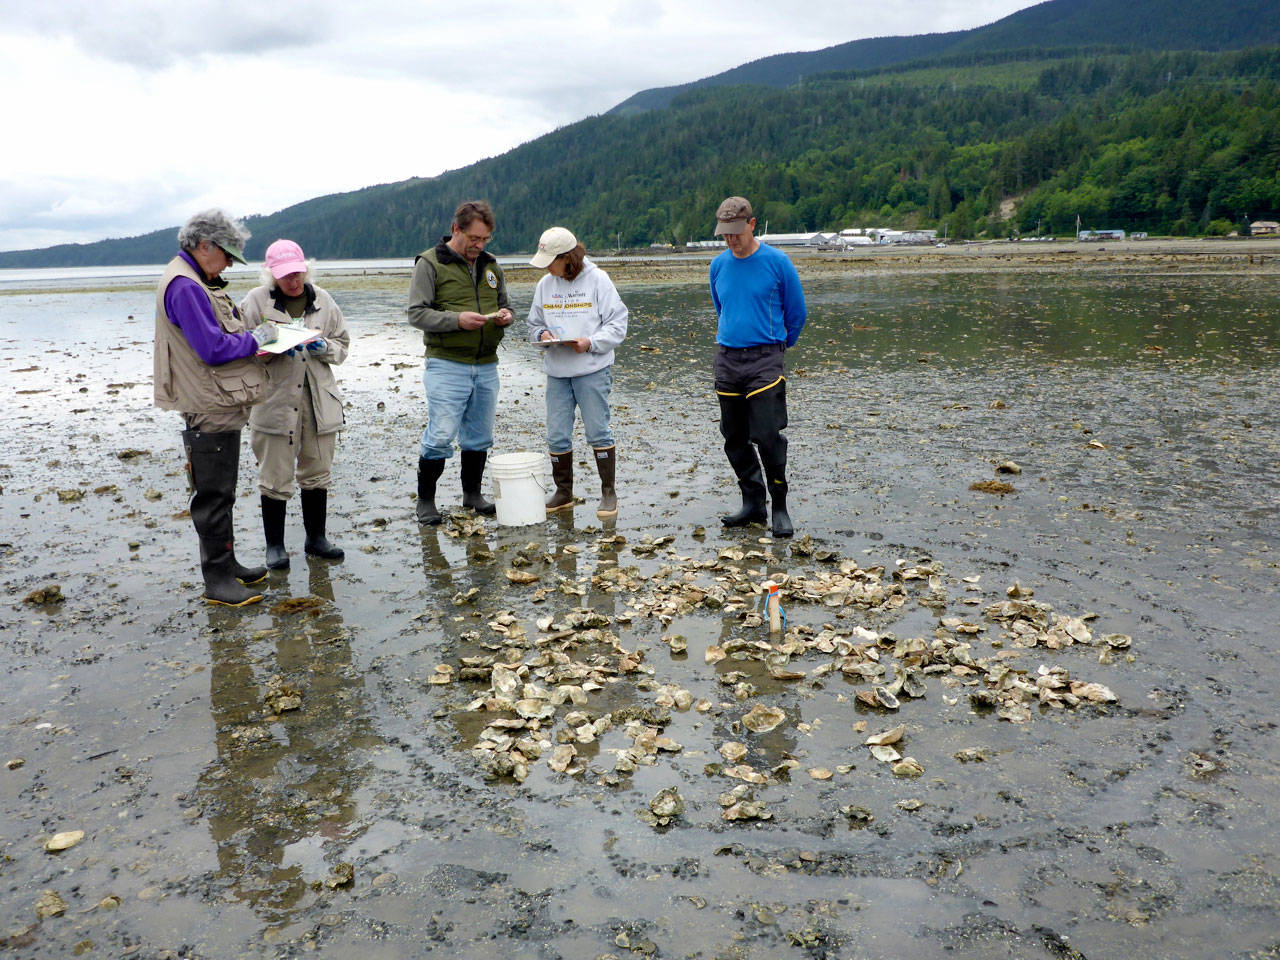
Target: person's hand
[
  {"x": 470, "y": 320},
  {"x": 318, "y": 346},
  {"x": 265, "y": 332},
  {"x": 581, "y": 345},
  {"x": 546, "y": 335},
  {"x": 503, "y": 318}
]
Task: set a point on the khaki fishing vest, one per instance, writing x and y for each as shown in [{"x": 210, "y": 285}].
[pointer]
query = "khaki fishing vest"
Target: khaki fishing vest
[{"x": 185, "y": 382}]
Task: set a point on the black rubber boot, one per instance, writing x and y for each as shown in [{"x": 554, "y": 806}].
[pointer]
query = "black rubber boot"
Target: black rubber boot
[
  {"x": 220, "y": 583},
  {"x": 606, "y": 465},
  {"x": 315, "y": 507},
  {"x": 734, "y": 427},
  {"x": 752, "y": 509},
  {"x": 246, "y": 575},
  {"x": 214, "y": 462},
  {"x": 473, "y": 462},
  {"x": 562, "y": 477},
  {"x": 781, "y": 525},
  {"x": 273, "y": 511},
  {"x": 428, "y": 473}
]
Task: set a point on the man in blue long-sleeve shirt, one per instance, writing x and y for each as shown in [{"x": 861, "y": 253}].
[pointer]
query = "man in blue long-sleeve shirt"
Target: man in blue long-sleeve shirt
[{"x": 760, "y": 305}]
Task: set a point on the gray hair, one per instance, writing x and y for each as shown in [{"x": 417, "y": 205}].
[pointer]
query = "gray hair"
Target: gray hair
[{"x": 215, "y": 227}]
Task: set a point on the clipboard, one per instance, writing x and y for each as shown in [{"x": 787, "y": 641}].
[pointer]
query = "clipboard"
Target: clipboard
[
  {"x": 551, "y": 343},
  {"x": 288, "y": 337}
]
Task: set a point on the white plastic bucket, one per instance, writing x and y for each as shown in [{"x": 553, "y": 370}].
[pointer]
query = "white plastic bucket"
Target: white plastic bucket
[{"x": 518, "y": 490}]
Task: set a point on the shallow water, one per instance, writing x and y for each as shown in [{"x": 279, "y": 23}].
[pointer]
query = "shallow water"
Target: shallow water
[{"x": 1139, "y": 407}]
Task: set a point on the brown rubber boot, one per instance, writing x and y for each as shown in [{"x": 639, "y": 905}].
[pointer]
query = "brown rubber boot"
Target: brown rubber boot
[
  {"x": 562, "y": 476},
  {"x": 606, "y": 463}
]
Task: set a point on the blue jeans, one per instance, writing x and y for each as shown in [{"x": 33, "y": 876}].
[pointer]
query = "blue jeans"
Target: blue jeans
[
  {"x": 461, "y": 400},
  {"x": 590, "y": 394}
]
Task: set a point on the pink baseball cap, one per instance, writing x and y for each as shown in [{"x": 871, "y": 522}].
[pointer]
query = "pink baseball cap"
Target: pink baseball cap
[{"x": 285, "y": 257}]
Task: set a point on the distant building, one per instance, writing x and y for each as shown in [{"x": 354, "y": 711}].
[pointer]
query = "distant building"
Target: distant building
[
  {"x": 1264, "y": 228},
  {"x": 1100, "y": 235},
  {"x": 793, "y": 239}
]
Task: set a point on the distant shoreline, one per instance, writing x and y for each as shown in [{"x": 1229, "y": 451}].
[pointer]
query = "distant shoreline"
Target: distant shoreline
[{"x": 1252, "y": 255}]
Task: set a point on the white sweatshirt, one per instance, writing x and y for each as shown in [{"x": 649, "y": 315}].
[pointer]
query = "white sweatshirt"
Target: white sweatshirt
[{"x": 587, "y": 306}]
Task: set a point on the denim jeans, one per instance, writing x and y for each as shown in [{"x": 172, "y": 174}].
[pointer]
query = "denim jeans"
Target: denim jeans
[
  {"x": 590, "y": 394},
  {"x": 461, "y": 401}
]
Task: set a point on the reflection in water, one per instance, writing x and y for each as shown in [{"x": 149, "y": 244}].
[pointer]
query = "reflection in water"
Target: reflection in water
[{"x": 280, "y": 797}]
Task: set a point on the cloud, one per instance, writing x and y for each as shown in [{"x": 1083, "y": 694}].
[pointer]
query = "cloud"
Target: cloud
[
  {"x": 153, "y": 34},
  {"x": 126, "y": 115}
]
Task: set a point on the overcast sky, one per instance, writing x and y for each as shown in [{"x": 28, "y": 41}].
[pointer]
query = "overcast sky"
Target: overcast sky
[{"x": 125, "y": 116}]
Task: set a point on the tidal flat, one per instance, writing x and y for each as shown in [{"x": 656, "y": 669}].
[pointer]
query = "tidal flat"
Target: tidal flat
[{"x": 465, "y": 741}]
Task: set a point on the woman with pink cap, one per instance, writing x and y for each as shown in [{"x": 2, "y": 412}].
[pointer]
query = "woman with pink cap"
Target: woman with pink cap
[{"x": 294, "y": 430}]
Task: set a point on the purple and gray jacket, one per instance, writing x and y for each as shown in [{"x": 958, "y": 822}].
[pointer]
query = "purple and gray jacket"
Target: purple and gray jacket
[{"x": 188, "y": 308}]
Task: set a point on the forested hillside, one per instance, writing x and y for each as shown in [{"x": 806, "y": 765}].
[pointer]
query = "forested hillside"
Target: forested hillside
[
  {"x": 1124, "y": 26},
  {"x": 974, "y": 144}
]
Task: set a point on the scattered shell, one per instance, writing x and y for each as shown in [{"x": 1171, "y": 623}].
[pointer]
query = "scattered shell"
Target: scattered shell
[
  {"x": 70, "y": 496},
  {"x": 889, "y": 736},
  {"x": 744, "y": 771},
  {"x": 970, "y": 755},
  {"x": 747, "y": 810},
  {"x": 676, "y": 642},
  {"x": 45, "y": 595},
  {"x": 15, "y": 763},
  {"x": 63, "y": 841},
  {"x": 281, "y": 697},
  {"x": 857, "y": 816},
  {"x": 733, "y": 751},
  {"x": 109, "y": 902},
  {"x": 1008, "y": 466},
  {"x": 342, "y": 875},
  {"x": 820, "y": 773},
  {"x": 1201, "y": 765},
  {"x": 50, "y": 904},
  {"x": 663, "y": 808},
  {"x": 909, "y": 805},
  {"x": 907, "y": 767},
  {"x": 562, "y": 756},
  {"x": 762, "y": 719},
  {"x": 1095, "y": 692},
  {"x": 885, "y": 754},
  {"x": 886, "y": 699}
]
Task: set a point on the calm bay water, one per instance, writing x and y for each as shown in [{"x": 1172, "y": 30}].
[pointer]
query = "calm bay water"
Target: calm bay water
[{"x": 1139, "y": 406}]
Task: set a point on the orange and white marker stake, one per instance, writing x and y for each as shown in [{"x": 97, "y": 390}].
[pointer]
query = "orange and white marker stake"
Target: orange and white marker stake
[{"x": 773, "y": 604}]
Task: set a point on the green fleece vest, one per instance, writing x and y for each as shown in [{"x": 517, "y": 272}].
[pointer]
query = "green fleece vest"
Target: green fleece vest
[{"x": 456, "y": 291}]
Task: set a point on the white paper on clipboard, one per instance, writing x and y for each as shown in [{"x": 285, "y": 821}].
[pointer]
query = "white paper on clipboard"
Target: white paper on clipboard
[{"x": 288, "y": 337}]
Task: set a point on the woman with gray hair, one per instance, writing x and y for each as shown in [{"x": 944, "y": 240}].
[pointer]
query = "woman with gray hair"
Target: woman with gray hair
[
  {"x": 206, "y": 368},
  {"x": 294, "y": 430}
]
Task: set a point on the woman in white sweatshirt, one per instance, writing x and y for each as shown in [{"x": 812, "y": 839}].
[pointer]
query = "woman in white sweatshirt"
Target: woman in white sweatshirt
[{"x": 578, "y": 314}]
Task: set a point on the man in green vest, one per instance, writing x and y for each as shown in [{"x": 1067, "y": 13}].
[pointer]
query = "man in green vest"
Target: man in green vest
[{"x": 458, "y": 299}]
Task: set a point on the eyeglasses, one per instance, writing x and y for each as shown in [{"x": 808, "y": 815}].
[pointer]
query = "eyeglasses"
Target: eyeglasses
[{"x": 478, "y": 239}]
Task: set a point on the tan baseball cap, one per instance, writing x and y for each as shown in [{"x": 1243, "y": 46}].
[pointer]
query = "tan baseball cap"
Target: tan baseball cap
[
  {"x": 732, "y": 216},
  {"x": 551, "y": 244}
]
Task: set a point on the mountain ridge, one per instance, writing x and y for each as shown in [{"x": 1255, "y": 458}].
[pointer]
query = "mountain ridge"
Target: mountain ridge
[{"x": 933, "y": 140}]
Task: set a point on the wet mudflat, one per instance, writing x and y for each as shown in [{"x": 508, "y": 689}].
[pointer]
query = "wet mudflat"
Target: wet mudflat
[{"x": 465, "y": 740}]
